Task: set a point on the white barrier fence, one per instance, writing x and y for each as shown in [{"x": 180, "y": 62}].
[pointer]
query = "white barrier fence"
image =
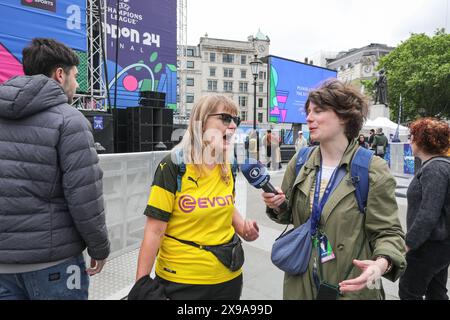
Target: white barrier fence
[{"x": 127, "y": 178}]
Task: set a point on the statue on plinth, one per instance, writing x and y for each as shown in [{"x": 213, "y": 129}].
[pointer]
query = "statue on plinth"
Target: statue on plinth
[{"x": 381, "y": 89}]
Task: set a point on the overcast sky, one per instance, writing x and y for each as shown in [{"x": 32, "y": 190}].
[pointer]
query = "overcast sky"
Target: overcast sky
[{"x": 299, "y": 28}]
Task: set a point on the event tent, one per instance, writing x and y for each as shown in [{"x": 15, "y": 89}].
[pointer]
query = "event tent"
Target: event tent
[{"x": 389, "y": 127}]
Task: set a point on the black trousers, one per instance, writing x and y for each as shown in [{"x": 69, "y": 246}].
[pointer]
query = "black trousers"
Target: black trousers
[
  {"x": 427, "y": 272},
  {"x": 229, "y": 290}
]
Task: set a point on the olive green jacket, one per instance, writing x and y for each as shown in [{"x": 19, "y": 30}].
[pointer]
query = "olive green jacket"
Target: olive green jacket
[{"x": 341, "y": 221}]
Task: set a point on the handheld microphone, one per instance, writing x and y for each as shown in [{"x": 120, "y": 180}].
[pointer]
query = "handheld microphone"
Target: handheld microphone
[{"x": 256, "y": 174}]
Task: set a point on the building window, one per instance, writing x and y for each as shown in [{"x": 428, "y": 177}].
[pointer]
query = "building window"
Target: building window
[
  {"x": 261, "y": 87},
  {"x": 228, "y": 86},
  {"x": 190, "y": 82},
  {"x": 189, "y": 98},
  {"x": 243, "y": 74},
  {"x": 260, "y": 102},
  {"x": 228, "y": 58},
  {"x": 212, "y": 57},
  {"x": 243, "y": 101},
  {"x": 212, "y": 72},
  {"x": 260, "y": 117},
  {"x": 227, "y": 73},
  {"x": 244, "y": 115},
  {"x": 212, "y": 85},
  {"x": 190, "y": 52},
  {"x": 190, "y": 64},
  {"x": 262, "y": 75},
  {"x": 243, "y": 59},
  {"x": 243, "y": 87}
]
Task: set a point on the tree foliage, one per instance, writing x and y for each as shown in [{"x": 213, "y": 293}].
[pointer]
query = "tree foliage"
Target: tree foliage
[{"x": 419, "y": 70}]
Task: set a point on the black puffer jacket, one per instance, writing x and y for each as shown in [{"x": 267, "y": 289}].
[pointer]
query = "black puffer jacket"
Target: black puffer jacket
[{"x": 51, "y": 202}]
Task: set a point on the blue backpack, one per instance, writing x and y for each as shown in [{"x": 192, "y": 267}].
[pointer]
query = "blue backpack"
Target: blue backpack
[
  {"x": 359, "y": 170},
  {"x": 182, "y": 169}
]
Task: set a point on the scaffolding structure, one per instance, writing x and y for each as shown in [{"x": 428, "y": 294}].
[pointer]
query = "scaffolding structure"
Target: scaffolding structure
[
  {"x": 182, "y": 57},
  {"x": 95, "y": 96}
]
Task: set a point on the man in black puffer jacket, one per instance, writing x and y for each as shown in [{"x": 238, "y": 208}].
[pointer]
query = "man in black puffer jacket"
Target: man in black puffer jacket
[{"x": 51, "y": 197}]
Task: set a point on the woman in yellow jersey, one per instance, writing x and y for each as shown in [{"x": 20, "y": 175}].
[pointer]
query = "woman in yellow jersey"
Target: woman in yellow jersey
[{"x": 192, "y": 201}]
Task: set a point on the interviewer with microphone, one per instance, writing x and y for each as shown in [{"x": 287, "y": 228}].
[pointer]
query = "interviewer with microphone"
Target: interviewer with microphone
[{"x": 351, "y": 249}]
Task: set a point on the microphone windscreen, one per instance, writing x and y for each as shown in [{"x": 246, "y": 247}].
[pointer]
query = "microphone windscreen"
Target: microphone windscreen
[{"x": 255, "y": 172}]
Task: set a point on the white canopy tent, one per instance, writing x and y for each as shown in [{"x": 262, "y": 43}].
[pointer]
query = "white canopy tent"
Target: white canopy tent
[{"x": 389, "y": 127}]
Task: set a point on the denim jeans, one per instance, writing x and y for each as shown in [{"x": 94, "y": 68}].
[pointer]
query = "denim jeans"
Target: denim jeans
[{"x": 65, "y": 281}]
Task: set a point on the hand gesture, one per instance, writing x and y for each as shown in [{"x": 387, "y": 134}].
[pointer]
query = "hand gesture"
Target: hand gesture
[{"x": 369, "y": 278}]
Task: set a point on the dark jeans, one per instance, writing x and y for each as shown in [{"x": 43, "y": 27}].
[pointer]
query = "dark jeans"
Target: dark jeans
[
  {"x": 66, "y": 281},
  {"x": 426, "y": 272},
  {"x": 230, "y": 290}
]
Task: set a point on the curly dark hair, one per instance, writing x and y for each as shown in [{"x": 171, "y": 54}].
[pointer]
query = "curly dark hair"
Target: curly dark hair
[
  {"x": 44, "y": 56},
  {"x": 345, "y": 100},
  {"x": 431, "y": 135}
]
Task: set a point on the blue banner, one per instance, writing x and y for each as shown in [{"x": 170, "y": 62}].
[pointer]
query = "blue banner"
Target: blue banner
[
  {"x": 147, "y": 50},
  {"x": 23, "y": 20}
]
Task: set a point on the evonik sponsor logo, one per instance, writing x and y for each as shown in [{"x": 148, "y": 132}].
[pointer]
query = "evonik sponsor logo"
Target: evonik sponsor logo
[{"x": 188, "y": 203}]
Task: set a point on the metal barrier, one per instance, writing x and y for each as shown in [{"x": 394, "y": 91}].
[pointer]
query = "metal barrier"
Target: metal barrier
[{"x": 127, "y": 178}]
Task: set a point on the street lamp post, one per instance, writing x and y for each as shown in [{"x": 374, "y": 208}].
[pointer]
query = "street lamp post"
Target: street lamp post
[{"x": 255, "y": 65}]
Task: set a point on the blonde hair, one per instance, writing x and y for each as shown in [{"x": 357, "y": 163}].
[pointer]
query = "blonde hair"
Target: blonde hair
[{"x": 193, "y": 145}]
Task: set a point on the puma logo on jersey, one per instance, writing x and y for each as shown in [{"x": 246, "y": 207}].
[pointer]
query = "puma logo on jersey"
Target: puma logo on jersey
[
  {"x": 162, "y": 165},
  {"x": 194, "y": 181}
]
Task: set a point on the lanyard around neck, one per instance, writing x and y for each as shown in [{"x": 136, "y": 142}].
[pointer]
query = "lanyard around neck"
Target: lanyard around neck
[{"x": 317, "y": 207}]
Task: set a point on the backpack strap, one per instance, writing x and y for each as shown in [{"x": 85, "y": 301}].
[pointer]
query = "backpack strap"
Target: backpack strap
[
  {"x": 359, "y": 169},
  {"x": 181, "y": 168},
  {"x": 302, "y": 156},
  {"x": 234, "y": 169}
]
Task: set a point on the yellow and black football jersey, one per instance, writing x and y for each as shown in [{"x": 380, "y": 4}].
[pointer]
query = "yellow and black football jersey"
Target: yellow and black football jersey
[{"x": 202, "y": 212}]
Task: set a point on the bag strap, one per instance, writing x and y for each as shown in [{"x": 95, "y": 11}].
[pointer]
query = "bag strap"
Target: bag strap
[
  {"x": 191, "y": 243},
  {"x": 181, "y": 168},
  {"x": 302, "y": 156},
  {"x": 359, "y": 170},
  {"x": 195, "y": 244}
]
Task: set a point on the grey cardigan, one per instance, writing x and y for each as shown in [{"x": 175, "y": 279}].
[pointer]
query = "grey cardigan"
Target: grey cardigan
[
  {"x": 51, "y": 197},
  {"x": 428, "y": 214}
]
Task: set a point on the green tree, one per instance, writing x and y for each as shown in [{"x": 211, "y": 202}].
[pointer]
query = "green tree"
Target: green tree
[
  {"x": 419, "y": 70},
  {"x": 369, "y": 87}
]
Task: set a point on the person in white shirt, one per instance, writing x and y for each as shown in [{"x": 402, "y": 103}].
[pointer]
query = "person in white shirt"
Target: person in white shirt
[{"x": 300, "y": 142}]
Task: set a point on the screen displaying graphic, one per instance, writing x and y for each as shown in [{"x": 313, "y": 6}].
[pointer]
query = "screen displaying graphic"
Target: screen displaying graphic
[
  {"x": 23, "y": 20},
  {"x": 408, "y": 159},
  {"x": 289, "y": 85},
  {"x": 146, "y": 58}
]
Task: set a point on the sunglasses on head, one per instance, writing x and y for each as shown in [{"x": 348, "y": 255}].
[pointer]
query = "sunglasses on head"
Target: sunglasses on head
[{"x": 226, "y": 118}]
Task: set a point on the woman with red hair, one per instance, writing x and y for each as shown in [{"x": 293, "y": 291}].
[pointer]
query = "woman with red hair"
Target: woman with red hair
[{"x": 428, "y": 214}]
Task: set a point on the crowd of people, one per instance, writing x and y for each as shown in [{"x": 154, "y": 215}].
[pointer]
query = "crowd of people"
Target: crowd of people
[{"x": 53, "y": 208}]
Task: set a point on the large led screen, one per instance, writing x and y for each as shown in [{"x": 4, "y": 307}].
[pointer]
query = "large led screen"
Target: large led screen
[{"x": 289, "y": 85}]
